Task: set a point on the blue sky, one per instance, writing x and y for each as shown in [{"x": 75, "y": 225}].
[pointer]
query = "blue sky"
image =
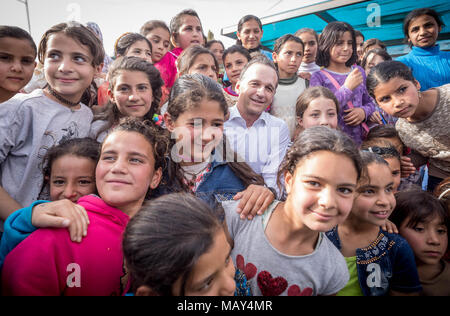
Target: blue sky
[{"x": 116, "y": 17}]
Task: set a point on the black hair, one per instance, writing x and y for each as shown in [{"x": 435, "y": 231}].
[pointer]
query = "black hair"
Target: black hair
[
  {"x": 177, "y": 21},
  {"x": 17, "y": 33},
  {"x": 385, "y": 71},
  {"x": 187, "y": 58},
  {"x": 329, "y": 38},
  {"x": 236, "y": 49},
  {"x": 165, "y": 239},
  {"x": 111, "y": 113},
  {"x": 360, "y": 34},
  {"x": 262, "y": 60},
  {"x": 212, "y": 42},
  {"x": 245, "y": 19},
  {"x": 376, "y": 51},
  {"x": 418, "y": 206},
  {"x": 126, "y": 40},
  {"x": 187, "y": 93},
  {"x": 316, "y": 139},
  {"x": 284, "y": 39},
  {"x": 79, "y": 33}
]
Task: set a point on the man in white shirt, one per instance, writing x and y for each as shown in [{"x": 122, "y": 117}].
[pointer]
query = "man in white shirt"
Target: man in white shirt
[{"x": 259, "y": 138}]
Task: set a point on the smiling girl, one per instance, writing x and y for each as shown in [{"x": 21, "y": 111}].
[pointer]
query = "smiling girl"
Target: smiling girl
[
  {"x": 421, "y": 28},
  {"x": 48, "y": 263},
  {"x": 379, "y": 263}
]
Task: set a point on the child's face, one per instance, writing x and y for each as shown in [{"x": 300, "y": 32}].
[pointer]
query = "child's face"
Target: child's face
[
  {"x": 204, "y": 64},
  {"x": 256, "y": 89},
  {"x": 423, "y": 31},
  {"x": 250, "y": 34},
  {"x": 126, "y": 171},
  {"x": 132, "y": 93},
  {"x": 234, "y": 63},
  {"x": 217, "y": 50},
  {"x": 310, "y": 47},
  {"x": 372, "y": 61},
  {"x": 72, "y": 177},
  {"x": 375, "y": 200},
  {"x": 320, "y": 112},
  {"x": 190, "y": 32},
  {"x": 289, "y": 59},
  {"x": 140, "y": 49},
  {"x": 160, "y": 39},
  {"x": 17, "y": 63},
  {"x": 213, "y": 273},
  {"x": 197, "y": 131},
  {"x": 398, "y": 97},
  {"x": 428, "y": 240},
  {"x": 359, "y": 46},
  {"x": 342, "y": 51},
  {"x": 68, "y": 66},
  {"x": 321, "y": 191},
  {"x": 394, "y": 166}
]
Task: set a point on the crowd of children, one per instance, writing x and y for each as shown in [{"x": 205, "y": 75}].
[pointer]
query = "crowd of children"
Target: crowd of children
[{"x": 184, "y": 167}]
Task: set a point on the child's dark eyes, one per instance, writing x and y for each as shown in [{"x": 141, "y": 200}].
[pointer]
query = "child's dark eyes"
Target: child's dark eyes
[{"x": 419, "y": 229}]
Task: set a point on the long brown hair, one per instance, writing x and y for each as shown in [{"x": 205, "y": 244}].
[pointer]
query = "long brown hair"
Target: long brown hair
[{"x": 111, "y": 113}]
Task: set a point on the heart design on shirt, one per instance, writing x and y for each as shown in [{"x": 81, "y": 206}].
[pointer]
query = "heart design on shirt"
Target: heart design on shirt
[
  {"x": 249, "y": 269},
  {"x": 270, "y": 286},
  {"x": 294, "y": 290}
]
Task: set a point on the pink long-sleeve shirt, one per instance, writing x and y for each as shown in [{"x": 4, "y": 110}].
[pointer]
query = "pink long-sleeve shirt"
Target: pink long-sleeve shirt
[{"x": 49, "y": 263}]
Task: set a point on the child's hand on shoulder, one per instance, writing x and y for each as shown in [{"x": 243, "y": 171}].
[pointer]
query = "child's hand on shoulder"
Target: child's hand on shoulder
[
  {"x": 59, "y": 214},
  {"x": 254, "y": 201},
  {"x": 354, "y": 79}
]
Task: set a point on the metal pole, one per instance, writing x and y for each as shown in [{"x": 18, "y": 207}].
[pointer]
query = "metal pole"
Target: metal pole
[{"x": 28, "y": 13}]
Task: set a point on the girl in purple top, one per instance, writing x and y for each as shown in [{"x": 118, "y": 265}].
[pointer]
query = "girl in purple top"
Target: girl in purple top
[{"x": 337, "y": 55}]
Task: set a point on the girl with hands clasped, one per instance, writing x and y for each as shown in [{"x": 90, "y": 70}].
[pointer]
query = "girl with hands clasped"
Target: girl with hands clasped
[
  {"x": 48, "y": 263},
  {"x": 379, "y": 263},
  {"x": 337, "y": 54}
]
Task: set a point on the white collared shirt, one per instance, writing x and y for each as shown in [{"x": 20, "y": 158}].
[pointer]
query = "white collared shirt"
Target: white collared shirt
[{"x": 263, "y": 145}]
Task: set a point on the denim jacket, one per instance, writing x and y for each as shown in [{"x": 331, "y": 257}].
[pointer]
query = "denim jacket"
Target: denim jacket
[{"x": 386, "y": 264}]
